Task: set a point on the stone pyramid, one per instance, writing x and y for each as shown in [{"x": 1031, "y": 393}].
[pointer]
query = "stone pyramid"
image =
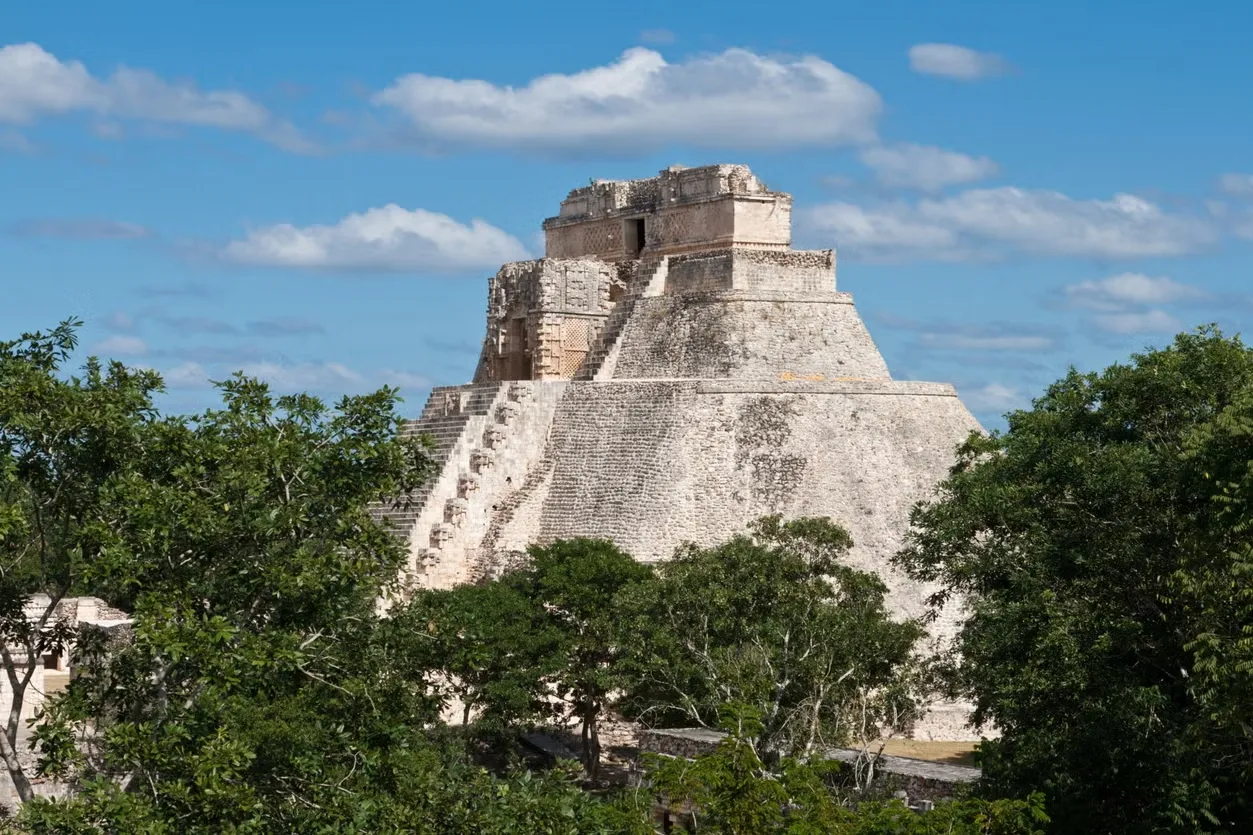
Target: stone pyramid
[{"x": 671, "y": 370}]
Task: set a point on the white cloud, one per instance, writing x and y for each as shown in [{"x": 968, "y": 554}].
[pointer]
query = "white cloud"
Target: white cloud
[
  {"x": 990, "y": 223},
  {"x": 119, "y": 321},
  {"x": 122, "y": 344},
  {"x": 1149, "y": 321},
  {"x": 326, "y": 378},
  {"x": 187, "y": 375},
  {"x": 993, "y": 397},
  {"x": 985, "y": 342},
  {"x": 969, "y": 336},
  {"x": 387, "y": 238},
  {"x": 311, "y": 376},
  {"x": 952, "y": 61},
  {"x": 35, "y": 83},
  {"x": 1128, "y": 290},
  {"x": 925, "y": 167},
  {"x": 405, "y": 379},
  {"x": 640, "y": 103},
  {"x": 1237, "y": 185}
]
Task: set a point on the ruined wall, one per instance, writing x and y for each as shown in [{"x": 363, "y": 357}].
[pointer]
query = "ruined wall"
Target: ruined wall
[{"x": 748, "y": 335}]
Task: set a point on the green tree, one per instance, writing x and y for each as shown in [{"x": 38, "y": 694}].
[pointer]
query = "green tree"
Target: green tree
[
  {"x": 777, "y": 621},
  {"x": 65, "y": 444},
  {"x": 242, "y": 541},
  {"x": 493, "y": 649},
  {"x": 1108, "y": 591},
  {"x": 731, "y": 791},
  {"x": 578, "y": 585}
]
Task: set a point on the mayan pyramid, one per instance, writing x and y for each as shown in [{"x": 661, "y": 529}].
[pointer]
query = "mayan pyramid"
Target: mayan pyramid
[{"x": 671, "y": 370}]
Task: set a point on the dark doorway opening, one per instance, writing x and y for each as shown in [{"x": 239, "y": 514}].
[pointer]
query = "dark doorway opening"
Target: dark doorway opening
[{"x": 634, "y": 237}]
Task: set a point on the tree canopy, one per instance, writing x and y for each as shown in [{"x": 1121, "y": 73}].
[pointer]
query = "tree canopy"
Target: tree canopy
[{"x": 1101, "y": 542}]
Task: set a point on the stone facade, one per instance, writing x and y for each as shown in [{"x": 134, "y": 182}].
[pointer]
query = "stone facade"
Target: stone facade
[
  {"x": 722, "y": 377},
  {"x": 680, "y": 210}
]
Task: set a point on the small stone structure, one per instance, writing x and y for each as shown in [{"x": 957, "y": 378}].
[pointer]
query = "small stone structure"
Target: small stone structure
[
  {"x": 52, "y": 672},
  {"x": 919, "y": 783},
  {"x": 670, "y": 371}
]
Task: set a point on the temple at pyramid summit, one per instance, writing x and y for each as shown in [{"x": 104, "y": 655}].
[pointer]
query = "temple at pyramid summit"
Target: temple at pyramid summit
[{"x": 670, "y": 370}]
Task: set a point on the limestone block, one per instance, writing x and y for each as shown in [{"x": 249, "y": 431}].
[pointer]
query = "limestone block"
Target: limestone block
[
  {"x": 494, "y": 437},
  {"x": 519, "y": 392}
]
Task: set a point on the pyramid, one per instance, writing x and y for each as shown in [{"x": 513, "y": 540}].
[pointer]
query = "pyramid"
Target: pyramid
[{"x": 670, "y": 371}]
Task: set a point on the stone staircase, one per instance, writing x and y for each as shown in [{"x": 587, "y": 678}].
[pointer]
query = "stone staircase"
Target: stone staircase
[
  {"x": 649, "y": 280},
  {"x": 445, "y": 417},
  {"x": 512, "y": 441}
]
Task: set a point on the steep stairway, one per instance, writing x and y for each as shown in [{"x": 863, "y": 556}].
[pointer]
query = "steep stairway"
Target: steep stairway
[
  {"x": 448, "y": 412},
  {"x": 648, "y": 280}
]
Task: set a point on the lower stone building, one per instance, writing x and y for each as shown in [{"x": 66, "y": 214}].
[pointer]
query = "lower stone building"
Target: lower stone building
[{"x": 669, "y": 372}]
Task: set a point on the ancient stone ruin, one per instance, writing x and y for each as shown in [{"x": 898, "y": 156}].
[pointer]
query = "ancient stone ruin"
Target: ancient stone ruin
[{"x": 671, "y": 370}]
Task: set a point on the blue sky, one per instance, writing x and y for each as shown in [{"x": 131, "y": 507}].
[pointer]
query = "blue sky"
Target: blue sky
[{"x": 316, "y": 192}]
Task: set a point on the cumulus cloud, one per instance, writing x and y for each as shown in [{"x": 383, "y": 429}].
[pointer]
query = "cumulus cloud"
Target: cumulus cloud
[
  {"x": 641, "y": 103},
  {"x": 79, "y": 229},
  {"x": 1129, "y": 290},
  {"x": 1237, "y": 185},
  {"x": 992, "y": 397},
  {"x": 35, "y": 83},
  {"x": 325, "y": 378},
  {"x": 1132, "y": 303},
  {"x": 992, "y": 223},
  {"x": 964, "y": 336},
  {"x": 121, "y": 345},
  {"x": 389, "y": 238},
  {"x": 1146, "y": 322},
  {"x": 957, "y": 62},
  {"x": 925, "y": 167},
  {"x": 186, "y": 375}
]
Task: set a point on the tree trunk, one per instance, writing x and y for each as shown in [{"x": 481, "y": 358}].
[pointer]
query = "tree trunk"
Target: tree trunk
[
  {"x": 591, "y": 741},
  {"x": 8, "y": 749}
]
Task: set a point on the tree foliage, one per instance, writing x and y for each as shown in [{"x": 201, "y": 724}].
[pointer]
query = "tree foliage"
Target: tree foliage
[
  {"x": 542, "y": 642},
  {"x": 66, "y": 444},
  {"x": 1102, "y": 544},
  {"x": 775, "y": 620},
  {"x": 731, "y": 791}
]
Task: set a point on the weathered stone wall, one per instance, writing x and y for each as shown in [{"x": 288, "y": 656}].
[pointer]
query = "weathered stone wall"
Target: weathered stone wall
[
  {"x": 543, "y": 317},
  {"x": 804, "y": 271},
  {"x": 748, "y": 335},
  {"x": 683, "y": 210},
  {"x": 652, "y": 464}
]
